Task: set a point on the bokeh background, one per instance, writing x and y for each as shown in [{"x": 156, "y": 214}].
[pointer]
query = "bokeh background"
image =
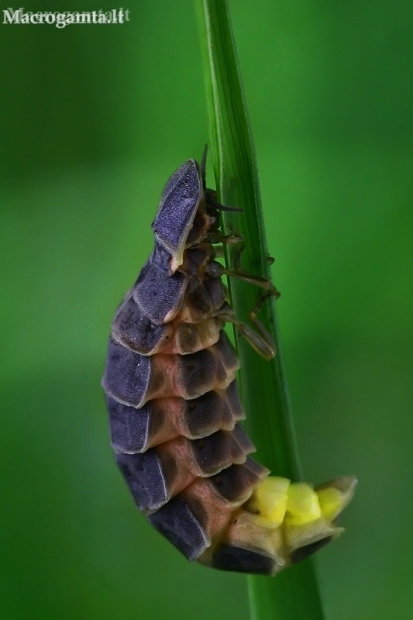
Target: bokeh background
[{"x": 93, "y": 121}]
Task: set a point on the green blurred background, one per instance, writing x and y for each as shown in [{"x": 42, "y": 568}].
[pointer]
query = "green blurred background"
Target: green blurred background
[{"x": 93, "y": 121}]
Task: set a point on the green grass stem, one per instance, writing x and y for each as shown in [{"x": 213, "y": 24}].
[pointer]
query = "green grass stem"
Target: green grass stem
[{"x": 294, "y": 594}]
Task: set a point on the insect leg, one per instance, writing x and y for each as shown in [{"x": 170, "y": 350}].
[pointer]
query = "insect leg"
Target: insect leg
[
  {"x": 216, "y": 270},
  {"x": 259, "y": 326},
  {"x": 239, "y": 272},
  {"x": 218, "y": 238},
  {"x": 260, "y": 340}
]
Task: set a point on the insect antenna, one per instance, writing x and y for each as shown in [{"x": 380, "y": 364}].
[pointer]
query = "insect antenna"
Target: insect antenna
[
  {"x": 212, "y": 193},
  {"x": 219, "y": 207},
  {"x": 203, "y": 164}
]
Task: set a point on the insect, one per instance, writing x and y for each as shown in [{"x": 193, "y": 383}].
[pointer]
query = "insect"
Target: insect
[{"x": 174, "y": 410}]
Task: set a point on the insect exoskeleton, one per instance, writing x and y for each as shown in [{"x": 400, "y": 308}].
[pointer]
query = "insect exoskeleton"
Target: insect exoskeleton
[{"x": 174, "y": 410}]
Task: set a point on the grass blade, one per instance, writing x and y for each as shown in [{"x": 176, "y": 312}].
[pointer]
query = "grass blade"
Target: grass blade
[{"x": 294, "y": 593}]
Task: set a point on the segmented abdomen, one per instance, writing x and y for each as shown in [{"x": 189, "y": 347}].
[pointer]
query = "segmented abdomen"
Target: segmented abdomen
[{"x": 174, "y": 415}]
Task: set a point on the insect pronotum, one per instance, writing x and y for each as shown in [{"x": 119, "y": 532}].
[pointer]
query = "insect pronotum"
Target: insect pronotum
[{"x": 174, "y": 409}]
